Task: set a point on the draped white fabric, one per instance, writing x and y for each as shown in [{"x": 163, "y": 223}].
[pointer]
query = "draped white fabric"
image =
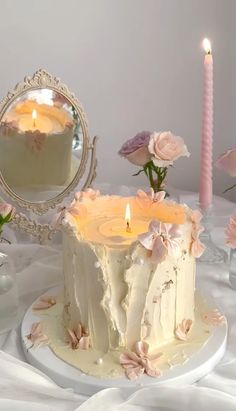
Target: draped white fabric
[{"x": 22, "y": 387}]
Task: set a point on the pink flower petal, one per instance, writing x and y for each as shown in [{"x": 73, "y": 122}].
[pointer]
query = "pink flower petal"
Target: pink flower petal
[
  {"x": 231, "y": 232},
  {"x": 146, "y": 239},
  {"x": 183, "y": 329},
  {"x": 134, "y": 373},
  {"x": 139, "y": 157},
  {"x": 41, "y": 305},
  {"x": 227, "y": 162},
  {"x": 141, "y": 348},
  {"x": 197, "y": 248},
  {"x": 84, "y": 343},
  {"x": 213, "y": 317},
  {"x": 159, "y": 250}
]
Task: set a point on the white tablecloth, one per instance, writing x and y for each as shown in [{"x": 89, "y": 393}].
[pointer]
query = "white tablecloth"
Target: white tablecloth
[{"x": 22, "y": 387}]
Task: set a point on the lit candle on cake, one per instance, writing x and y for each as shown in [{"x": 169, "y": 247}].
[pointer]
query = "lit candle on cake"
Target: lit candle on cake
[
  {"x": 128, "y": 218},
  {"x": 114, "y": 226},
  {"x": 205, "y": 191}
]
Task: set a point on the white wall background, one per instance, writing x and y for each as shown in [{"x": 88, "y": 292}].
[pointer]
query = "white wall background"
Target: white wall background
[{"x": 134, "y": 64}]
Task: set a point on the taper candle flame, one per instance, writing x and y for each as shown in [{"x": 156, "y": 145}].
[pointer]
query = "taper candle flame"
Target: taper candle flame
[
  {"x": 207, "y": 46},
  {"x": 128, "y": 218},
  {"x": 34, "y": 117}
]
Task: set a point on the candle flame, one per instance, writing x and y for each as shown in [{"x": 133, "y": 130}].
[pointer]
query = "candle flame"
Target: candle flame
[
  {"x": 128, "y": 217},
  {"x": 34, "y": 114},
  {"x": 207, "y": 46}
]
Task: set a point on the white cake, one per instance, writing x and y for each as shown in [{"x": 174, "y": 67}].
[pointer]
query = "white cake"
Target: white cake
[
  {"x": 128, "y": 288},
  {"x": 36, "y": 156}
]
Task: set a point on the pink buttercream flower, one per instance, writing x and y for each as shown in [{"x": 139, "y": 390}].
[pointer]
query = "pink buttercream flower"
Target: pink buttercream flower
[
  {"x": 213, "y": 317},
  {"x": 165, "y": 148},
  {"x": 197, "y": 247},
  {"x": 183, "y": 329},
  {"x": 138, "y": 362},
  {"x": 36, "y": 335},
  {"x": 78, "y": 338},
  {"x": 147, "y": 199},
  {"x": 7, "y": 210},
  {"x": 35, "y": 140},
  {"x": 136, "y": 149},
  {"x": 45, "y": 301},
  {"x": 227, "y": 162},
  {"x": 231, "y": 232},
  {"x": 161, "y": 239}
]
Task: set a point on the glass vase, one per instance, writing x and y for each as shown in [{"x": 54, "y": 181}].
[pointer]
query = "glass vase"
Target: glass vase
[
  {"x": 8, "y": 295},
  {"x": 232, "y": 268}
]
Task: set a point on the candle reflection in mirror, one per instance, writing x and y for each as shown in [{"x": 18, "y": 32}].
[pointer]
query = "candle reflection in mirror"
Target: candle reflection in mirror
[{"x": 34, "y": 117}]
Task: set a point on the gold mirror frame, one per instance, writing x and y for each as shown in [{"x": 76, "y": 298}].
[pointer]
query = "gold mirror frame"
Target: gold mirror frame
[{"x": 42, "y": 79}]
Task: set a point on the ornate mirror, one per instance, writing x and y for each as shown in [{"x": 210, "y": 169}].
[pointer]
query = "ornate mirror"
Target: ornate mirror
[{"x": 45, "y": 152}]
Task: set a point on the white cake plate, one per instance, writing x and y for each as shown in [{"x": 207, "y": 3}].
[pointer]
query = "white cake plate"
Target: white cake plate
[{"x": 67, "y": 376}]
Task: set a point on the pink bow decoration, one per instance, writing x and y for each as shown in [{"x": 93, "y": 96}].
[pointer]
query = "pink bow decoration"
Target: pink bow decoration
[
  {"x": 36, "y": 335},
  {"x": 197, "y": 248},
  {"x": 183, "y": 329},
  {"x": 161, "y": 239},
  {"x": 147, "y": 199},
  {"x": 213, "y": 317},
  {"x": 46, "y": 301},
  {"x": 231, "y": 232},
  {"x": 35, "y": 140},
  {"x": 78, "y": 338},
  {"x": 138, "y": 362}
]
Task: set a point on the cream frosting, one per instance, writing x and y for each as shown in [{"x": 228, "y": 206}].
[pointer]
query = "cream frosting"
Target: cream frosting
[
  {"x": 95, "y": 362},
  {"x": 112, "y": 286}
]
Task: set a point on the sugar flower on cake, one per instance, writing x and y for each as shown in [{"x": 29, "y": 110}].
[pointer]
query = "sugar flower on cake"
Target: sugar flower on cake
[
  {"x": 230, "y": 232},
  {"x": 76, "y": 209},
  {"x": 154, "y": 152},
  {"x": 45, "y": 301},
  {"x": 36, "y": 335},
  {"x": 139, "y": 361},
  {"x": 183, "y": 329},
  {"x": 197, "y": 248},
  {"x": 160, "y": 240},
  {"x": 146, "y": 199},
  {"x": 227, "y": 163},
  {"x": 35, "y": 140},
  {"x": 78, "y": 338},
  {"x": 89, "y": 193},
  {"x": 213, "y": 317}
]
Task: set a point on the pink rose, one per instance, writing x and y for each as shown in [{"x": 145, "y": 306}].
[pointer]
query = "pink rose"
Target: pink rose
[
  {"x": 166, "y": 148},
  {"x": 231, "y": 232},
  {"x": 227, "y": 162},
  {"x": 136, "y": 149},
  {"x": 6, "y": 209}
]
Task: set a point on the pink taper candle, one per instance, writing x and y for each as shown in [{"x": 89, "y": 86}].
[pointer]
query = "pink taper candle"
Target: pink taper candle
[{"x": 205, "y": 192}]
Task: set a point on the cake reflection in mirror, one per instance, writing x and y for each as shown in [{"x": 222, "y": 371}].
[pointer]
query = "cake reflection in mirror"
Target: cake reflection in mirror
[{"x": 41, "y": 143}]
